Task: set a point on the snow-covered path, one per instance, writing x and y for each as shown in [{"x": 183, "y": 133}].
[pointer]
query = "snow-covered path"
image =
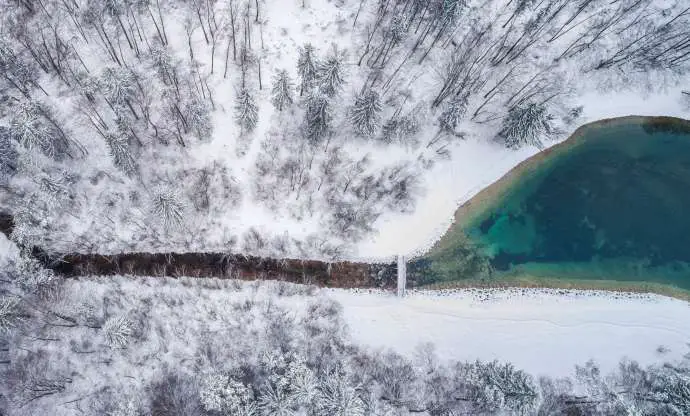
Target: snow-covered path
[{"x": 538, "y": 330}]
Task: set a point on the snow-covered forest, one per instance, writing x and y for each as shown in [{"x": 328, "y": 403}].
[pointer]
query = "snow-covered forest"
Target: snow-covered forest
[
  {"x": 160, "y": 346},
  {"x": 291, "y": 128}
]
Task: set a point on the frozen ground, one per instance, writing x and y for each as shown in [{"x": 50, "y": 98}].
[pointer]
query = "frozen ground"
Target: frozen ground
[{"x": 545, "y": 332}]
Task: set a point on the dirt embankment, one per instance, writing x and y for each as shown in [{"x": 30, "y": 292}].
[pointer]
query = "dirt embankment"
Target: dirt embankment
[{"x": 221, "y": 265}]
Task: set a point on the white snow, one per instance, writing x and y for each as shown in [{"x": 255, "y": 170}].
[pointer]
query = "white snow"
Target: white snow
[{"x": 545, "y": 332}]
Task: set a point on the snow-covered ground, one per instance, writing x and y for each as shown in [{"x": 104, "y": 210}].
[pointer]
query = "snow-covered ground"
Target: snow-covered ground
[
  {"x": 271, "y": 192},
  {"x": 546, "y": 332}
]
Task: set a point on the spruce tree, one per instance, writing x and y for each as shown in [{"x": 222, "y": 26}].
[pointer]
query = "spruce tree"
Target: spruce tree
[
  {"x": 120, "y": 152},
  {"x": 318, "y": 117},
  {"x": 246, "y": 111},
  {"x": 365, "y": 115},
  {"x": 31, "y": 129},
  {"x": 281, "y": 95},
  {"x": 306, "y": 68},
  {"x": 8, "y": 156},
  {"x": 330, "y": 74}
]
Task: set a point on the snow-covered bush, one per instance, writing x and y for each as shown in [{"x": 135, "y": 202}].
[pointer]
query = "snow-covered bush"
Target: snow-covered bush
[
  {"x": 526, "y": 125},
  {"x": 452, "y": 114},
  {"x": 167, "y": 207}
]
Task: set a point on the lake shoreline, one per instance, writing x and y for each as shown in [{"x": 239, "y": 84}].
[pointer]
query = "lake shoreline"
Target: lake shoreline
[{"x": 475, "y": 206}]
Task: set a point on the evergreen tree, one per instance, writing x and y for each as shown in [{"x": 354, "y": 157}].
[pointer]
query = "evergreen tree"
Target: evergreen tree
[
  {"x": 118, "y": 331},
  {"x": 526, "y": 125},
  {"x": 246, "y": 112},
  {"x": 118, "y": 85},
  {"x": 317, "y": 117},
  {"x": 10, "y": 314},
  {"x": 8, "y": 156},
  {"x": 226, "y": 395},
  {"x": 16, "y": 72},
  {"x": 339, "y": 397},
  {"x": 453, "y": 113},
  {"x": 198, "y": 116},
  {"x": 365, "y": 115},
  {"x": 330, "y": 74},
  {"x": 34, "y": 131},
  {"x": 281, "y": 95},
  {"x": 306, "y": 68},
  {"x": 450, "y": 9},
  {"x": 120, "y": 152}
]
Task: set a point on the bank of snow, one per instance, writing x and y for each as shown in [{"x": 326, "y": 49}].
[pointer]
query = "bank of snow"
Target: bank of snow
[{"x": 545, "y": 332}]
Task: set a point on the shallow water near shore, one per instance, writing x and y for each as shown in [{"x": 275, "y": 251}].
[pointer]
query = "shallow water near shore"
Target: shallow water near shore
[{"x": 610, "y": 203}]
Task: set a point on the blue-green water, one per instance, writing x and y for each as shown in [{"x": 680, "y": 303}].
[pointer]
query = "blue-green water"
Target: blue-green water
[{"x": 614, "y": 205}]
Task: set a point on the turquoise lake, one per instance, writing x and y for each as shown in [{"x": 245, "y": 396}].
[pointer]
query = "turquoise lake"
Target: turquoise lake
[{"x": 615, "y": 205}]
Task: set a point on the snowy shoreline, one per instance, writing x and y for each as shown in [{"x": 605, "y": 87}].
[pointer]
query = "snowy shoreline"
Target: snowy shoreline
[
  {"x": 546, "y": 331},
  {"x": 453, "y": 186}
]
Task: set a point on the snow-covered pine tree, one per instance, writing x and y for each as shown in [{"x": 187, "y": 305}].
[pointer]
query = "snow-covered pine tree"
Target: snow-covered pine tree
[
  {"x": 330, "y": 73},
  {"x": 452, "y": 114},
  {"x": 338, "y": 397},
  {"x": 306, "y": 68},
  {"x": 275, "y": 400},
  {"x": 451, "y": 9},
  {"x": 317, "y": 117},
  {"x": 8, "y": 156},
  {"x": 10, "y": 313},
  {"x": 118, "y": 331},
  {"x": 365, "y": 115},
  {"x": 32, "y": 277},
  {"x": 398, "y": 28},
  {"x": 167, "y": 207},
  {"x": 198, "y": 116},
  {"x": 19, "y": 74},
  {"x": 31, "y": 129},
  {"x": 281, "y": 94},
  {"x": 120, "y": 152},
  {"x": 226, "y": 395},
  {"x": 118, "y": 85},
  {"x": 303, "y": 382},
  {"x": 164, "y": 63},
  {"x": 246, "y": 111},
  {"x": 526, "y": 125}
]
